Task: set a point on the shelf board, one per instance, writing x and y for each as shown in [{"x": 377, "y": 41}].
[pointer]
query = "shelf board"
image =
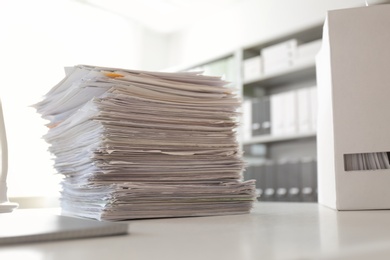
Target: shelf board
[
  {"x": 298, "y": 71},
  {"x": 271, "y": 138}
]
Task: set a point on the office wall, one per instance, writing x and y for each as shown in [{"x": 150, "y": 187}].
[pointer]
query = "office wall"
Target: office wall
[
  {"x": 246, "y": 23},
  {"x": 37, "y": 39}
]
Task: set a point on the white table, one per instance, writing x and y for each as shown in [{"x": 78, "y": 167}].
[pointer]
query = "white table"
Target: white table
[{"x": 271, "y": 231}]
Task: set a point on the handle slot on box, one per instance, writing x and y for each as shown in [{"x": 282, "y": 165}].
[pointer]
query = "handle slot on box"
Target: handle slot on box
[{"x": 367, "y": 161}]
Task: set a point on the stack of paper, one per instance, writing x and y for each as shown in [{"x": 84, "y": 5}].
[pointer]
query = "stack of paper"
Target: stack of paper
[{"x": 136, "y": 144}]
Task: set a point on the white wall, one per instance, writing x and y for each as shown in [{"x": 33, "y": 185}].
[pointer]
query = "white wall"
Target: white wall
[
  {"x": 246, "y": 23},
  {"x": 37, "y": 39}
]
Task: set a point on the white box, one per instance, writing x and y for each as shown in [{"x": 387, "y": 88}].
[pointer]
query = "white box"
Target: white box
[
  {"x": 353, "y": 89},
  {"x": 279, "y": 57},
  {"x": 280, "y": 51},
  {"x": 252, "y": 68},
  {"x": 306, "y": 52}
]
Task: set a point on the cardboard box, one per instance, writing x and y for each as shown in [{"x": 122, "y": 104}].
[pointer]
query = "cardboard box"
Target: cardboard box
[{"x": 354, "y": 99}]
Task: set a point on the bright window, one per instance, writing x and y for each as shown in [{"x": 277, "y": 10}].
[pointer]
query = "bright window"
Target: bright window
[{"x": 37, "y": 39}]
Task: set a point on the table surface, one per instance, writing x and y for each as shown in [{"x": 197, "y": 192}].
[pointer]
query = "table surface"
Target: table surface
[{"x": 273, "y": 230}]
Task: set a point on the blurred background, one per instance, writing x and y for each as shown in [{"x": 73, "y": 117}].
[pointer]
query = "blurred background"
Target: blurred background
[{"x": 39, "y": 38}]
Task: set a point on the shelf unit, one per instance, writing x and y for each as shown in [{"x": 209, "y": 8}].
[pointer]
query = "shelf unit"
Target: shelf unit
[
  {"x": 295, "y": 77},
  {"x": 277, "y": 82},
  {"x": 270, "y": 147}
]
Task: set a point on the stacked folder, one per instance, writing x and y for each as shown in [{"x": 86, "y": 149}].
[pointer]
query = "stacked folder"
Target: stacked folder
[{"x": 136, "y": 144}]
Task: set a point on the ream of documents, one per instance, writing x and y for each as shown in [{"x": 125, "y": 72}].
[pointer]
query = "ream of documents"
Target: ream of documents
[{"x": 137, "y": 144}]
